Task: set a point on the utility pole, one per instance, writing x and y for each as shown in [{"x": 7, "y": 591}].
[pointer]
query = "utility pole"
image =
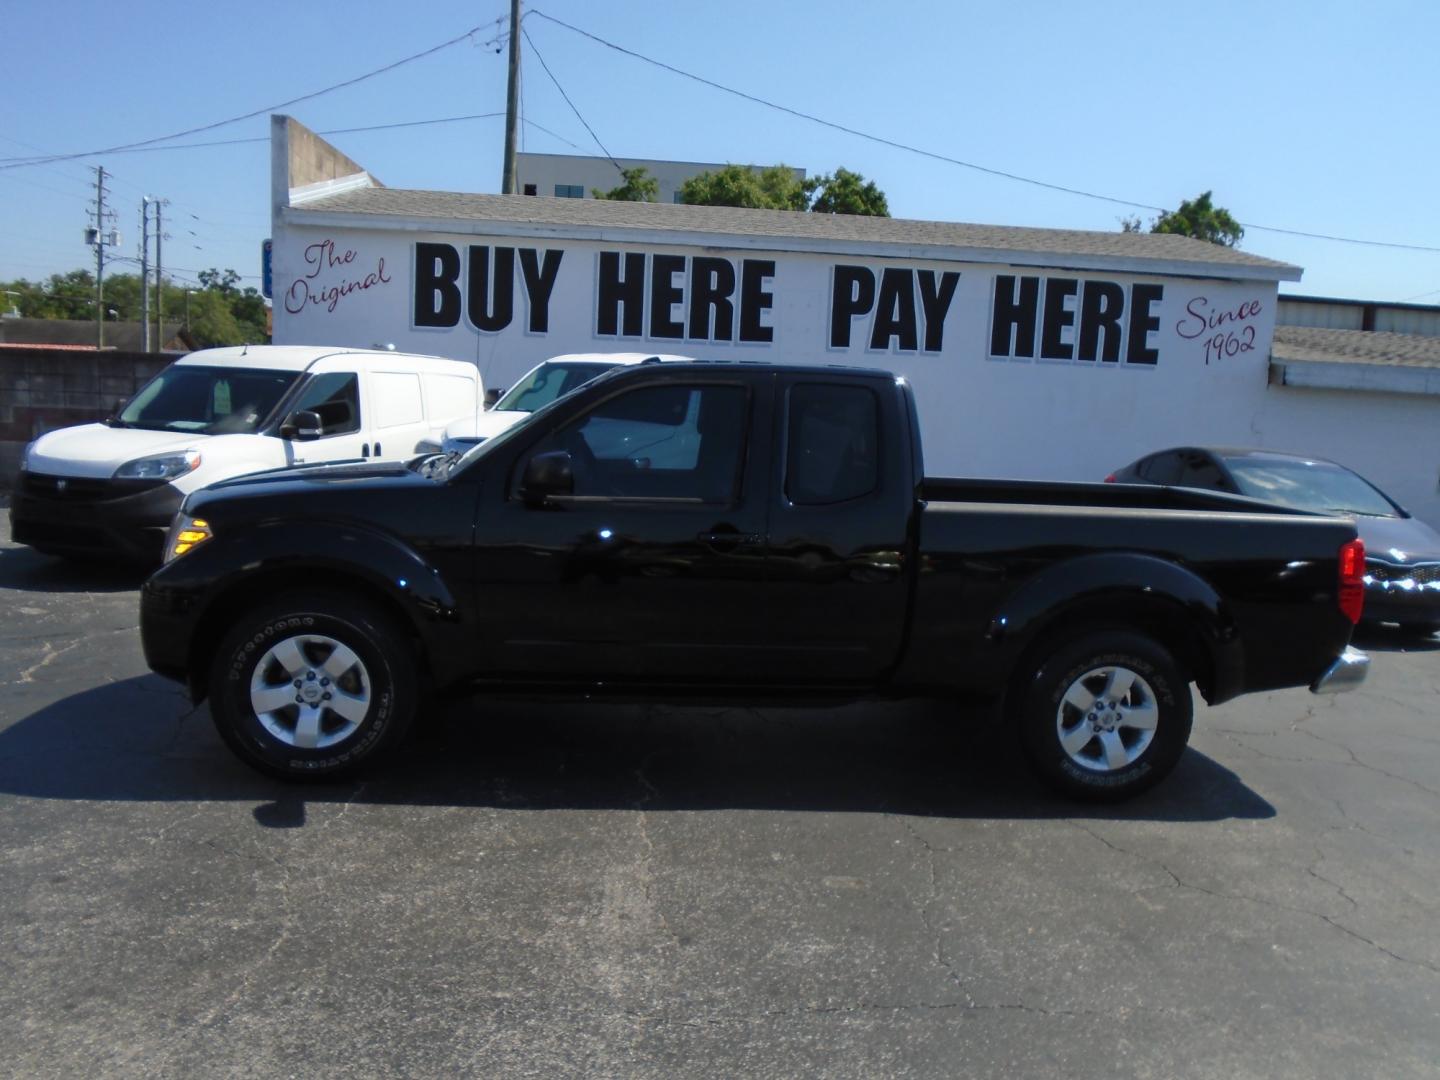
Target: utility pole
[
  {"x": 97, "y": 237},
  {"x": 512, "y": 99},
  {"x": 145, "y": 273},
  {"x": 159, "y": 281}
]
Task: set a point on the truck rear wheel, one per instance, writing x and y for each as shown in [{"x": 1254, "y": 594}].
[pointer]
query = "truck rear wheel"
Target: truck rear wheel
[
  {"x": 1105, "y": 716},
  {"x": 313, "y": 687}
]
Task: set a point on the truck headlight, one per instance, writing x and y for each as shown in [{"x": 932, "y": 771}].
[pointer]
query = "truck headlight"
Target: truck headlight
[
  {"x": 186, "y": 533},
  {"x": 159, "y": 466}
]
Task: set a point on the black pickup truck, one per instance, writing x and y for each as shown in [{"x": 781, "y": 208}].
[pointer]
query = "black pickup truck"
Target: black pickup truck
[{"x": 739, "y": 530}]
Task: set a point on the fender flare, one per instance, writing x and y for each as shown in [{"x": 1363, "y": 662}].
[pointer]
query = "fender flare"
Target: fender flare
[{"x": 1102, "y": 584}]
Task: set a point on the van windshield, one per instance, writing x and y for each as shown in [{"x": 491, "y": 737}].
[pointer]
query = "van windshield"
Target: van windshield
[{"x": 211, "y": 401}]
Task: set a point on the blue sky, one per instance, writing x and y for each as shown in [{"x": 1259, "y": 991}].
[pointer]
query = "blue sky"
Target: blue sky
[{"x": 1315, "y": 117}]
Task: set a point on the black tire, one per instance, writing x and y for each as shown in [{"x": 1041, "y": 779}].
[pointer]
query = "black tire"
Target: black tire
[
  {"x": 380, "y": 690},
  {"x": 1123, "y": 755}
]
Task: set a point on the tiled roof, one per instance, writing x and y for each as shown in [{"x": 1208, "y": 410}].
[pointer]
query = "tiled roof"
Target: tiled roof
[
  {"x": 1308, "y": 343},
  {"x": 801, "y": 228}
]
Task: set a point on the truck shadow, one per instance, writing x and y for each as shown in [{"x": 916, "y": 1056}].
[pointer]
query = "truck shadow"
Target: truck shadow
[
  {"x": 27, "y": 570},
  {"x": 138, "y": 740}
]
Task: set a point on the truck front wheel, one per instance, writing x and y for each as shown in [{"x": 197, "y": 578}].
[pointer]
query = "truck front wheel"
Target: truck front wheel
[
  {"x": 1105, "y": 716},
  {"x": 312, "y": 687}
]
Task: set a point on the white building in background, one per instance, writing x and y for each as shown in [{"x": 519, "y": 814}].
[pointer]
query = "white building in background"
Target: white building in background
[
  {"x": 574, "y": 176},
  {"x": 1035, "y": 353}
]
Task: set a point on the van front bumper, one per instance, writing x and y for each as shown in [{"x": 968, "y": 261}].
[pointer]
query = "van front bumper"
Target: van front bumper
[
  {"x": 98, "y": 518},
  {"x": 1346, "y": 672}
]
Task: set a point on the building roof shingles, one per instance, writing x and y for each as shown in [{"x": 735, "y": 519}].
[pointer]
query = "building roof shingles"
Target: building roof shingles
[
  {"x": 545, "y": 212},
  {"x": 1308, "y": 343}
]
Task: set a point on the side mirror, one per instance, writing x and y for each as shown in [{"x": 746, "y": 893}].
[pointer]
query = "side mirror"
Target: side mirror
[
  {"x": 302, "y": 425},
  {"x": 546, "y": 475},
  {"x": 491, "y": 397}
]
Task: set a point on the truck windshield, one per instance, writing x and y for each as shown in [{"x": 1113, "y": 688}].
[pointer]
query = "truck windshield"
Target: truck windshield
[
  {"x": 1309, "y": 485},
  {"x": 211, "y": 401},
  {"x": 546, "y": 383}
]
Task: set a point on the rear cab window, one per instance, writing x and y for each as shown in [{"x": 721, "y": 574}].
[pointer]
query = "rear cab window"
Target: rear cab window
[{"x": 832, "y": 444}]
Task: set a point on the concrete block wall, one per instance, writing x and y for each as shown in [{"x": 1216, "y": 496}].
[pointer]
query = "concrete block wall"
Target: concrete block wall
[{"x": 42, "y": 389}]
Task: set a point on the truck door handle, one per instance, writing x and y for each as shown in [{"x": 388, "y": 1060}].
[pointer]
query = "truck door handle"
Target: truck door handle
[{"x": 720, "y": 539}]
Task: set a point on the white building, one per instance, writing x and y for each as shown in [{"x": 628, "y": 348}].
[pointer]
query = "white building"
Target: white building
[
  {"x": 573, "y": 176},
  {"x": 1035, "y": 353}
]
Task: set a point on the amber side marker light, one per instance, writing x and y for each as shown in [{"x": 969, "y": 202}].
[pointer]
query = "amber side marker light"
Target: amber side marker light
[
  {"x": 1352, "y": 579},
  {"x": 193, "y": 532}
]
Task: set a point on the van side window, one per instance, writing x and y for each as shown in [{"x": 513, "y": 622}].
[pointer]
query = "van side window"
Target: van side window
[
  {"x": 833, "y": 450},
  {"x": 336, "y": 398}
]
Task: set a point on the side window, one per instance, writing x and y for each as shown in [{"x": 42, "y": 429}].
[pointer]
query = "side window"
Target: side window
[
  {"x": 336, "y": 398},
  {"x": 658, "y": 442},
  {"x": 1201, "y": 472},
  {"x": 833, "y": 444},
  {"x": 396, "y": 398},
  {"x": 1161, "y": 469}
]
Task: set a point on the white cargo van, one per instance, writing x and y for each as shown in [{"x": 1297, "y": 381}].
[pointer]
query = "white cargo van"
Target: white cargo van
[{"x": 112, "y": 487}]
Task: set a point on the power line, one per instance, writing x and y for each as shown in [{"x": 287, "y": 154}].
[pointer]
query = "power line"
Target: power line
[
  {"x": 932, "y": 154},
  {"x": 566, "y": 96},
  {"x": 15, "y": 163},
  {"x": 338, "y": 131}
]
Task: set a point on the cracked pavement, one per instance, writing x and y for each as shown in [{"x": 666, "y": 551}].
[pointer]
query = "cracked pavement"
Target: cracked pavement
[{"x": 654, "y": 891}]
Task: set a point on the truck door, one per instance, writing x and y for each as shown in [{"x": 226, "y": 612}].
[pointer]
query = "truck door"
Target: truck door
[
  {"x": 839, "y": 523},
  {"x": 654, "y": 568}
]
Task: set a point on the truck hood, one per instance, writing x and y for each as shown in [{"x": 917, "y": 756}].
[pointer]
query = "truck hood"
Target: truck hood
[
  {"x": 98, "y": 450},
  {"x": 327, "y": 474},
  {"x": 484, "y": 425}
]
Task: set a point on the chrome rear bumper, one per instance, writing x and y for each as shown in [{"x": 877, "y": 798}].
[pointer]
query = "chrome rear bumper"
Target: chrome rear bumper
[{"x": 1346, "y": 673}]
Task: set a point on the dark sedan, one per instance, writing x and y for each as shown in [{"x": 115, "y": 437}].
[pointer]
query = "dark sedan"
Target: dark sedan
[{"x": 1402, "y": 553}]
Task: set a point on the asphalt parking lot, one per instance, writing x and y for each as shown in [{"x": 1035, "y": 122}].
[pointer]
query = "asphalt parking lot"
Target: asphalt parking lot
[{"x": 643, "y": 891}]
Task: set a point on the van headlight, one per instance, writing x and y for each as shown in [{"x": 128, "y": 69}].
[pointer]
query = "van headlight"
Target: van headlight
[
  {"x": 186, "y": 534},
  {"x": 159, "y": 466}
]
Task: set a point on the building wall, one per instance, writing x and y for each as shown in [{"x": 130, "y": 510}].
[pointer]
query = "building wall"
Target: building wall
[
  {"x": 1391, "y": 439},
  {"x": 546, "y": 171},
  {"x": 43, "y": 389},
  {"x": 984, "y": 416}
]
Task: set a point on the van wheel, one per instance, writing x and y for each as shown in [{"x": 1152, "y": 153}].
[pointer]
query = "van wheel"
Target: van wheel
[
  {"x": 313, "y": 687},
  {"x": 1105, "y": 716}
]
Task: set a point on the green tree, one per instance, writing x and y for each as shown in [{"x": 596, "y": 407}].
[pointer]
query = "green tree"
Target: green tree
[
  {"x": 847, "y": 192},
  {"x": 211, "y": 320},
  {"x": 776, "y": 188},
  {"x": 639, "y": 186},
  {"x": 220, "y": 312},
  {"x": 1203, "y": 220},
  {"x": 773, "y": 188}
]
